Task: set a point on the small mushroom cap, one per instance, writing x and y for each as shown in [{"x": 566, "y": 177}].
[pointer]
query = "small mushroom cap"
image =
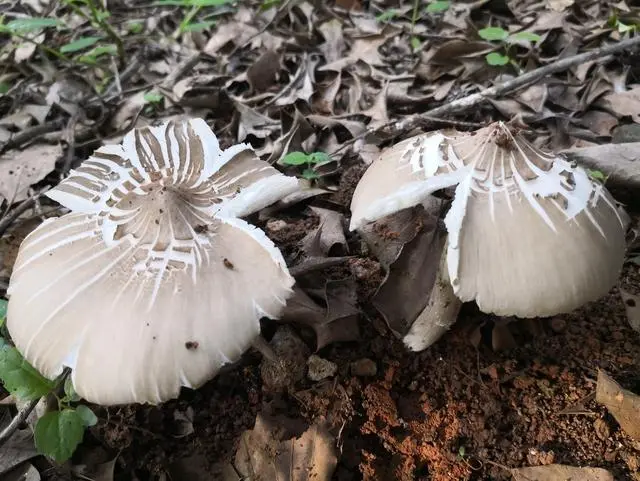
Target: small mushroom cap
[
  {"x": 403, "y": 175},
  {"x": 529, "y": 233},
  {"x": 152, "y": 282}
]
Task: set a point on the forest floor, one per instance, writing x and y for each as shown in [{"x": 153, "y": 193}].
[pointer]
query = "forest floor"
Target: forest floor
[{"x": 348, "y": 401}]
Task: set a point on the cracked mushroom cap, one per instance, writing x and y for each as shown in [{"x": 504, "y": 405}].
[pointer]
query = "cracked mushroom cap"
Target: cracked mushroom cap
[
  {"x": 152, "y": 281},
  {"x": 529, "y": 234}
]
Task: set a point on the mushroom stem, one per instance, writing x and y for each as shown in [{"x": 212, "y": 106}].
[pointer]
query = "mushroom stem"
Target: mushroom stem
[{"x": 439, "y": 314}]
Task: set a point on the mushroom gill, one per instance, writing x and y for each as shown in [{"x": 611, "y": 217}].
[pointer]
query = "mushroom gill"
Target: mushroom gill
[{"x": 152, "y": 281}]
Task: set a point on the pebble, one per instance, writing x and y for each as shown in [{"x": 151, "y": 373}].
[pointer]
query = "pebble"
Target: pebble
[
  {"x": 319, "y": 368},
  {"x": 364, "y": 367},
  {"x": 276, "y": 225}
]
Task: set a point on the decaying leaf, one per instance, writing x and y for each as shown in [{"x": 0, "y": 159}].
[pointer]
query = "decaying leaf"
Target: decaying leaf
[
  {"x": 18, "y": 449},
  {"x": 624, "y": 103},
  {"x": 332, "y": 313},
  {"x": 23, "y": 472},
  {"x": 329, "y": 233},
  {"x": 19, "y": 170},
  {"x": 409, "y": 246},
  {"x": 621, "y": 403},
  {"x": 271, "y": 452},
  {"x": 560, "y": 472}
]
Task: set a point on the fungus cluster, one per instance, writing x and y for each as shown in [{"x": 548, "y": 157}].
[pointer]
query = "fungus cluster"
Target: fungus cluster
[
  {"x": 529, "y": 233},
  {"x": 152, "y": 281}
]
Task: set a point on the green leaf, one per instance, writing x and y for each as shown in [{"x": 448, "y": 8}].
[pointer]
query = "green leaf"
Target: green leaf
[
  {"x": 493, "y": 33},
  {"x": 152, "y": 97},
  {"x": 415, "y": 43},
  {"x": 438, "y": 7},
  {"x": 24, "y": 25},
  {"x": 624, "y": 28},
  {"x": 209, "y": 3},
  {"x": 135, "y": 27},
  {"x": 319, "y": 158},
  {"x": 79, "y": 44},
  {"x": 309, "y": 174},
  {"x": 58, "y": 433},
  {"x": 596, "y": 175},
  {"x": 495, "y": 58},
  {"x": 87, "y": 415},
  {"x": 387, "y": 15},
  {"x": 295, "y": 158},
  {"x": 3, "y": 302},
  {"x": 69, "y": 391},
  {"x": 525, "y": 36},
  {"x": 198, "y": 27},
  {"x": 4, "y": 88},
  {"x": 93, "y": 54},
  {"x": 19, "y": 377},
  {"x": 267, "y": 4}
]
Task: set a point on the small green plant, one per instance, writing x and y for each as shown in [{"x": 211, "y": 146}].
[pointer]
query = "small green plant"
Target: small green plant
[
  {"x": 387, "y": 15},
  {"x": 98, "y": 16},
  {"x": 308, "y": 160},
  {"x": 497, "y": 34},
  {"x": 438, "y": 6},
  {"x": 195, "y": 6},
  {"x": 57, "y": 433}
]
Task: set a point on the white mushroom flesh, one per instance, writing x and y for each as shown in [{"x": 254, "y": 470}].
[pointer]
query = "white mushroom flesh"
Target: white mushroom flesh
[{"x": 152, "y": 282}]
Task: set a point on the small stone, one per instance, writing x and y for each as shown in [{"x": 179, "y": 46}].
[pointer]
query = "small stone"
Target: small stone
[
  {"x": 276, "y": 225},
  {"x": 558, "y": 324},
  {"x": 320, "y": 368},
  {"x": 364, "y": 367}
]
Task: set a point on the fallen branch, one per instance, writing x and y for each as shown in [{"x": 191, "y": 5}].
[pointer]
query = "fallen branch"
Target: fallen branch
[
  {"x": 517, "y": 83},
  {"x": 19, "y": 418},
  {"x": 438, "y": 114}
]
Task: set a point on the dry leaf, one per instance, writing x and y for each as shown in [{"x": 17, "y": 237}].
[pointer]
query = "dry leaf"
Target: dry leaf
[
  {"x": 559, "y": 5},
  {"x": 269, "y": 452},
  {"x": 24, "y": 472},
  {"x": 18, "y": 449},
  {"x": 19, "y": 170},
  {"x": 252, "y": 122},
  {"x": 328, "y": 234},
  {"x": 624, "y": 103},
  {"x": 408, "y": 245},
  {"x": 263, "y": 73},
  {"x": 622, "y": 404},
  {"x": 334, "y": 45},
  {"x": 560, "y": 472},
  {"x": 334, "y": 321}
]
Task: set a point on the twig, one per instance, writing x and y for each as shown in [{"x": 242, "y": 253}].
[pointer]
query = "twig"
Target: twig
[
  {"x": 26, "y": 204},
  {"x": 473, "y": 100},
  {"x": 32, "y": 133},
  {"x": 517, "y": 83},
  {"x": 19, "y": 418}
]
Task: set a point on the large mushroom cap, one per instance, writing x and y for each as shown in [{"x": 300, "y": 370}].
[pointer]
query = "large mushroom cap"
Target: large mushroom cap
[
  {"x": 151, "y": 282},
  {"x": 529, "y": 234}
]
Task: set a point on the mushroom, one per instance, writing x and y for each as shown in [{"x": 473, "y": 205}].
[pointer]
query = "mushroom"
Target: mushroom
[
  {"x": 529, "y": 233},
  {"x": 152, "y": 281}
]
